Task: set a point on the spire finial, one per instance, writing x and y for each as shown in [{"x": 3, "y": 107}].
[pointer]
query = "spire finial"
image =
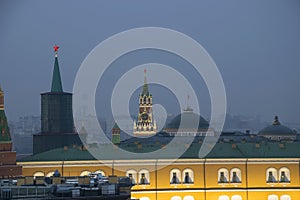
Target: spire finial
[
  {"x": 1, "y": 101},
  {"x": 56, "y": 79},
  {"x": 145, "y": 75},
  {"x": 56, "y": 50},
  {"x": 276, "y": 120},
  {"x": 188, "y": 108},
  {"x": 145, "y": 87}
]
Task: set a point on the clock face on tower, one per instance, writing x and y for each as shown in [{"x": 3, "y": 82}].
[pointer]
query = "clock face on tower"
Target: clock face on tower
[{"x": 145, "y": 116}]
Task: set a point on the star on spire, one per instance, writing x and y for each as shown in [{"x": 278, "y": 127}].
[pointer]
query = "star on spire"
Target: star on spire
[
  {"x": 56, "y": 85},
  {"x": 56, "y": 49}
]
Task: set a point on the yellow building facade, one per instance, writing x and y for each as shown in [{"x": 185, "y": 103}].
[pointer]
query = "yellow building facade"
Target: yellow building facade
[{"x": 219, "y": 179}]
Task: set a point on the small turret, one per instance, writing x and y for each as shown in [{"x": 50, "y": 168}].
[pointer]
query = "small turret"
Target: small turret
[{"x": 116, "y": 134}]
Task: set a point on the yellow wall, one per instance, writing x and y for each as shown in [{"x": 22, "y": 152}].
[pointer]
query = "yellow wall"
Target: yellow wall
[{"x": 205, "y": 186}]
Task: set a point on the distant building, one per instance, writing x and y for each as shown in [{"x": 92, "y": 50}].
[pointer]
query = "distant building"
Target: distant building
[
  {"x": 57, "y": 125},
  {"x": 240, "y": 166},
  {"x": 8, "y": 167},
  {"x": 22, "y": 133},
  {"x": 188, "y": 123},
  {"x": 278, "y": 132}
]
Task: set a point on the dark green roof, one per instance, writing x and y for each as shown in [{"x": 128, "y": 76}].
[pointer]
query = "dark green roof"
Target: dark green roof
[
  {"x": 221, "y": 150},
  {"x": 56, "y": 79},
  {"x": 61, "y": 154},
  {"x": 4, "y": 129},
  {"x": 276, "y": 130},
  {"x": 116, "y": 126},
  {"x": 189, "y": 119}
]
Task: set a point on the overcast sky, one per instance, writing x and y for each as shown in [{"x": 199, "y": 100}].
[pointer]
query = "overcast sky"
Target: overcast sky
[{"x": 255, "y": 44}]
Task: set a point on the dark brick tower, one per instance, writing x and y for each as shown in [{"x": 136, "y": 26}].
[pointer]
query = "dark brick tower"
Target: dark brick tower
[
  {"x": 57, "y": 125},
  {"x": 8, "y": 167}
]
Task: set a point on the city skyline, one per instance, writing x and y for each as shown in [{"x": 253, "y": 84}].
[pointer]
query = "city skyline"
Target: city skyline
[{"x": 256, "y": 52}]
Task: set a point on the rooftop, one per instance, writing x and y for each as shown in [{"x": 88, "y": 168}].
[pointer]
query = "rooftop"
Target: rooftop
[{"x": 231, "y": 149}]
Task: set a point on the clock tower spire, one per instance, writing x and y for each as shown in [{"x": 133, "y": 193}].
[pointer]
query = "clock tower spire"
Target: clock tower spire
[{"x": 145, "y": 124}]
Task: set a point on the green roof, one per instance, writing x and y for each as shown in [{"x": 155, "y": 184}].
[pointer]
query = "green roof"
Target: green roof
[
  {"x": 61, "y": 154},
  {"x": 221, "y": 150},
  {"x": 56, "y": 79},
  {"x": 4, "y": 129},
  {"x": 276, "y": 130},
  {"x": 189, "y": 119},
  {"x": 116, "y": 126}
]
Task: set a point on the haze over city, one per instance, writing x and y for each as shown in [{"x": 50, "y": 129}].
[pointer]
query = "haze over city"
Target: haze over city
[{"x": 255, "y": 45}]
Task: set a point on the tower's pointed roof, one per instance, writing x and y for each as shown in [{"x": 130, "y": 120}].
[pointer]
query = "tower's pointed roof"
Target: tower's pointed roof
[
  {"x": 4, "y": 129},
  {"x": 145, "y": 90},
  {"x": 116, "y": 126},
  {"x": 56, "y": 79}
]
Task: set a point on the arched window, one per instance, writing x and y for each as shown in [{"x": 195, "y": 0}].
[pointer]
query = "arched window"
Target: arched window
[
  {"x": 284, "y": 175},
  {"x": 235, "y": 175},
  {"x": 176, "y": 198},
  {"x": 175, "y": 176},
  {"x": 38, "y": 174},
  {"x": 189, "y": 197},
  {"x": 100, "y": 172},
  {"x": 188, "y": 176},
  {"x": 223, "y": 197},
  {"x": 272, "y": 197},
  {"x": 236, "y": 197},
  {"x": 223, "y": 175},
  {"x": 132, "y": 175},
  {"x": 85, "y": 173},
  {"x": 49, "y": 174},
  {"x": 144, "y": 177},
  {"x": 285, "y": 197},
  {"x": 271, "y": 175}
]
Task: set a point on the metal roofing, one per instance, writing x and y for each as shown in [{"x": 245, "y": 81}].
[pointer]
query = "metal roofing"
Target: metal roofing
[
  {"x": 56, "y": 79},
  {"x": 189, "y": 119},
  {"x": 259, "y": 149}
]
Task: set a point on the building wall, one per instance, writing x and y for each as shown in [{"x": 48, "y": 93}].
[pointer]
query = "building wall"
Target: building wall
[
  {"x": 6, "y": 146},
  {"x": 7, "y": 171},
  {"x": 7, "y": 157},
  {"x": 253, "y": 174}
]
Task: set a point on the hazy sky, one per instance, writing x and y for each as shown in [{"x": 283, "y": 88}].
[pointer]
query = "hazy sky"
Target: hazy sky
[{"x": 255, "y": 44}]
